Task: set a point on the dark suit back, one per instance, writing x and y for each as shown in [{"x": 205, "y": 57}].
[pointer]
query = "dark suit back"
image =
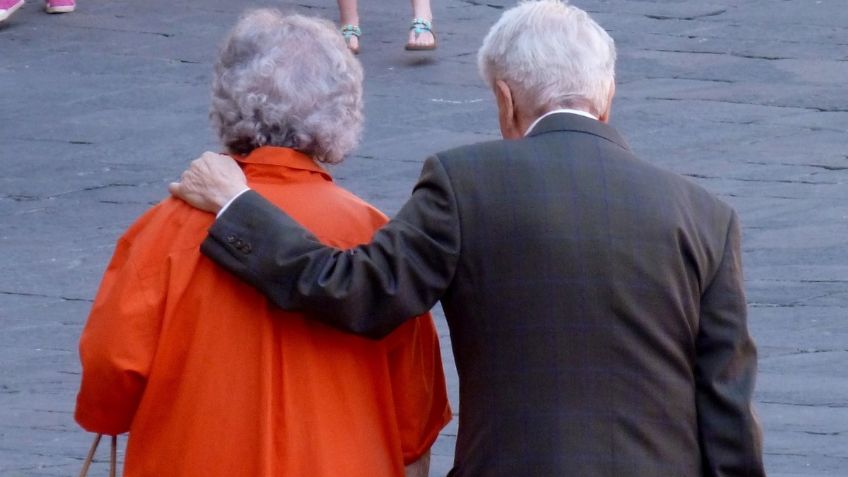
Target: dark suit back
[
  {"x": 574, "y": 307},
  {"x": 595, "y": 303}
]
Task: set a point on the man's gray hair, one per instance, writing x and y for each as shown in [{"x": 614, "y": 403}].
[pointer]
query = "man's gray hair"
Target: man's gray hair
[
  {"x": 552, "y": 55},
  {"x": 287, "y": 81}
]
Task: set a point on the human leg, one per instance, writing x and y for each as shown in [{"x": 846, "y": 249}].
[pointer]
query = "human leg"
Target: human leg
[
  {"x": 421, "y": 35},
  {"x": 349, "y": 21}
]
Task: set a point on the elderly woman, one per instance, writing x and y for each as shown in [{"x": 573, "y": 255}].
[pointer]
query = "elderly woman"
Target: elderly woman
[{"x": 207, "y": 377}]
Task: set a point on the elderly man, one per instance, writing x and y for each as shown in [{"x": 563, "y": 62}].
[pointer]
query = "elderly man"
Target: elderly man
[
  {"x": 207, "y": 377},
  {"x": 595, "y": 302}
]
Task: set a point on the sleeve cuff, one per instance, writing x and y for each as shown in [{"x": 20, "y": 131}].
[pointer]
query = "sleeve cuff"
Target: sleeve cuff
[{"x": 224, "y": 208}]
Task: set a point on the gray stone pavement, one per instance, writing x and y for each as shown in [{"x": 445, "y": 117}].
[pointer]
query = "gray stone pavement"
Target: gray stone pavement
[{"x": 101, "y": 108}]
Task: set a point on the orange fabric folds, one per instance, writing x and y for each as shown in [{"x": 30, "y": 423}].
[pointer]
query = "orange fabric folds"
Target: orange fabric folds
[{"x": 211, "y": 380}]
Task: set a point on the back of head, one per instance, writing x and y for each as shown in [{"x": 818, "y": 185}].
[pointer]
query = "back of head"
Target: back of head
[
  {"x": 287, "y": 81},
  {"x": 552, "y": 54}
]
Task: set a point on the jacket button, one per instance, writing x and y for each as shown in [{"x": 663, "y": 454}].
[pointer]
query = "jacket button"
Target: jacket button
[{"x": 231, "y": 239}]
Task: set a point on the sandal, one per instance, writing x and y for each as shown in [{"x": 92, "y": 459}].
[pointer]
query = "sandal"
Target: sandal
[
  {"x": 348, "y": 32},
  {"x": 419, "y": 26}
]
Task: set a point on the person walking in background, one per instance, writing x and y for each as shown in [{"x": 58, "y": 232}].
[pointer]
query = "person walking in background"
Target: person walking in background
[
  {"x": 8, "y": 7},
  {"x": 207, "y": 377},
  {"x": 595, "y": 302},
  {"x": 421, "y": 34}
]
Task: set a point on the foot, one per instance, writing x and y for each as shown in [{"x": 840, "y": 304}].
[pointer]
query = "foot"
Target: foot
[
  {"x": 60, "y": 6},
  {"x": 8, "y": 7},
  {"x": 421, "y": 36},
  {"x": 351, "y": 34}
]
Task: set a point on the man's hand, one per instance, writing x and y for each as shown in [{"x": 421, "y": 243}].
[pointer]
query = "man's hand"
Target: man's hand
[{"x": 210, "y": 182}]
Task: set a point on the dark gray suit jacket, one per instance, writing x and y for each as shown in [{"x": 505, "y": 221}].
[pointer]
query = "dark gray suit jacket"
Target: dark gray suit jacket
[{"x": 595, "y": 303}]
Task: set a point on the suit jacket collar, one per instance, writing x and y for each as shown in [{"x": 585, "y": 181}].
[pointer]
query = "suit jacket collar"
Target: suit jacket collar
[{"x": 574, "y": 122}]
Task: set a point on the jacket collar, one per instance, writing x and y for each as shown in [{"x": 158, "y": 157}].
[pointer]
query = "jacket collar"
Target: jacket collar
[
  {"x": 574, "y": 122},
  {"x": 282, "y": 157}
]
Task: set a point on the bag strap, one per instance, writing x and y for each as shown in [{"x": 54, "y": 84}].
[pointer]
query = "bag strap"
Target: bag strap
[{"x": 113, "y": 458}]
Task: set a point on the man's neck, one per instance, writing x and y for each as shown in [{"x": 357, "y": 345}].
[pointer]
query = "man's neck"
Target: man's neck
[{"x": 579, "y": 112}]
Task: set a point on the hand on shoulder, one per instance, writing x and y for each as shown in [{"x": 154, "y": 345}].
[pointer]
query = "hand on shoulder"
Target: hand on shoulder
[{"x": 210, "y": 182}]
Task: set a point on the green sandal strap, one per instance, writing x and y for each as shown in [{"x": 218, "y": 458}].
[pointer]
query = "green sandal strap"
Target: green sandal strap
[
  {"x": 351, "y": 30},
  {"x": 421, "y": 25}
]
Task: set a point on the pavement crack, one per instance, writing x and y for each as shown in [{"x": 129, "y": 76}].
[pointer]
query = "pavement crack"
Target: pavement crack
[
  {"x": 761, "y": 57},
  {"x": 481, "y": 4},
  {"x": 748, "y": 103},
  {"x": 99, "y": 187},
  {"x": 827, "y": 167},
  {"x": 779, "y": 280},
  {"x": 790, "y": 164},
  {"x": 713, "y": 13},
  {"x": 312, "y": 7},
  {"x": 786, "y": 454},
  {"x": 57, "y": 141},
  {"x": 720, "y": 53},
  {"x": 40, "y": 295},
  {"x": 831, "y": 405},
  {"x": 815, "y": 351},
  {"x": 22, "y": 197},
  {"x": 120, "y": 30},
  {"x": 678, "y": 77},
  {"x": 766, "y": 181},
  {"x": 401, "y": 161},
  {"x": 754, "y": 304}
]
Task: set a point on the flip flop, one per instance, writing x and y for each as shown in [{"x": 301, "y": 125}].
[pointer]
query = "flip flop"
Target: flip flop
[
  {"x": 349, "y": 31},
  {"x": 419, "y": 26}
]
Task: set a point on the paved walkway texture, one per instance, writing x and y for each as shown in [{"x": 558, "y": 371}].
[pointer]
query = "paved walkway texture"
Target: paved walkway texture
[{"x": 101, "y": 108}]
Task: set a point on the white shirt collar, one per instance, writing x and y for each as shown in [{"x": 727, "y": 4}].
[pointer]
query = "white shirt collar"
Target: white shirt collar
[{"x": 557, "y": 111}]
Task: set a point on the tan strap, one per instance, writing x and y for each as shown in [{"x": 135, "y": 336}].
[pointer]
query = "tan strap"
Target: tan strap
[
  {"x": 87, "y": 463},
  {"x": 113, "y": 458}
]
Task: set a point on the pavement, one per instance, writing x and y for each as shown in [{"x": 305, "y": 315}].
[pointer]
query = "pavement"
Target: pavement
[{"x": 103, "y": 107}]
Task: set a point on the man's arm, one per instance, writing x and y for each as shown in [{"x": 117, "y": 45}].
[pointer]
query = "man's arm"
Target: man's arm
[
  {"x": 368, "y": 290},
  {"x": 730, "y": 435}
]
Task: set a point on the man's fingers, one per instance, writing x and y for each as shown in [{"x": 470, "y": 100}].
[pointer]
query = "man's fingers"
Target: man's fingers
[
  {"x": 209, "y": 182},
  {"x": 206, "y": 159},
  {"x": 175, "y": 188}
]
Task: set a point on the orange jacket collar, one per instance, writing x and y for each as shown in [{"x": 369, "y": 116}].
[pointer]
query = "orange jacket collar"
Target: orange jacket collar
[{"x": 282, "y": 156}]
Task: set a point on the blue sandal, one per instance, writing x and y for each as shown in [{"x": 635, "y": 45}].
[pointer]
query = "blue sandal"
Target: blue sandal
[
  {"x": 349, "y": 31},
  {"x": 419, "y": 26}
]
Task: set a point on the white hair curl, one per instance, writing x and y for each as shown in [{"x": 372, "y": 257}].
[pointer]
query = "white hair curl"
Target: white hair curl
[
  {"x": 552, "y": 54},
  {"x": 287, "y": 81}
]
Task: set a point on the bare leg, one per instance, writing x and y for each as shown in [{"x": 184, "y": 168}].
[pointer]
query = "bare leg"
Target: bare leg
[
  {"x": 421, "y": 9},
  {"x": 349, "y": 16}
]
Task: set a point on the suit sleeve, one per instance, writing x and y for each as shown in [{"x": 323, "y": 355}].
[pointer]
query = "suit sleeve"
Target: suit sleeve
[
  {"x": 368, "y": 290},
  {"x": 117, "y": 347},
  {"x": 730, "y": 435}
]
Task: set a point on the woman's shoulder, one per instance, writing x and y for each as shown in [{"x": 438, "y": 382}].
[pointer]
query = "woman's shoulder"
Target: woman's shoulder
[
  {"x": 168, "y": 227},
  {"x": 335, "y": 215}
]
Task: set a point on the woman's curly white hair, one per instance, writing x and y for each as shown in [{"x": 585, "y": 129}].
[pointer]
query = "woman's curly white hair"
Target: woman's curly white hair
[{"x": 287, "y": 81}]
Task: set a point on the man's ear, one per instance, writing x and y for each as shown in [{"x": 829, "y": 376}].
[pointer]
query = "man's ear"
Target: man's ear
[
  {"x": 605, "y": 115},
  {"x": 506, "y": 111}
]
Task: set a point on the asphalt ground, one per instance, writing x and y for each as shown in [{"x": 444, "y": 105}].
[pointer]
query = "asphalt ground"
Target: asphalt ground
[{"x": 101, "y": 108}]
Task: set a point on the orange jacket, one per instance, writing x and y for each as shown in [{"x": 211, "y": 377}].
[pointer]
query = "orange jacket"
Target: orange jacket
[{"x": 211, "y": 380}]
